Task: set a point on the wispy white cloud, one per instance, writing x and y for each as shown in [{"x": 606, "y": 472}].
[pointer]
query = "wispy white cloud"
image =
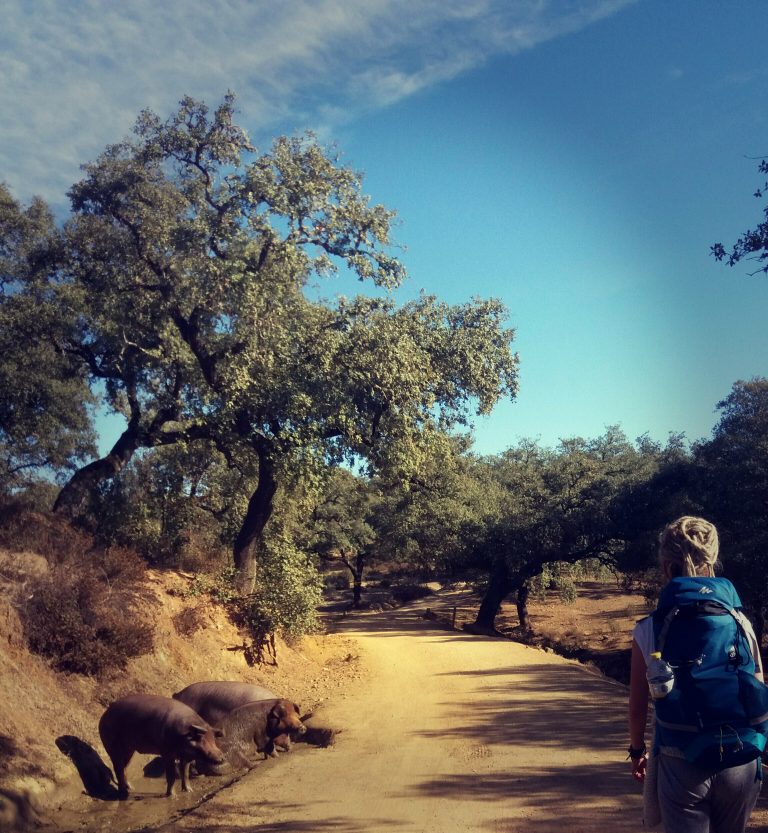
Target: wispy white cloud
[{"x": 74, "y": 73}]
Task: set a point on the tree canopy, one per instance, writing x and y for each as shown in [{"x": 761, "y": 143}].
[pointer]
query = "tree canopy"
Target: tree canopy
[
  {"x": 45, "y": 413},
  {"x": 732, "y": 486},
  {"x": 552, "y": 505},
  {"x": 753, "y": 244},
  {"x": 181, "y": 277}
]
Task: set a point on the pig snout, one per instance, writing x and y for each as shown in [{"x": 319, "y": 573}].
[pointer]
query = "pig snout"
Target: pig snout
[
  {"x": 285, "y": 719},
  {"x": 202, "y": 744},
  {"x": 295, "y": 724}
]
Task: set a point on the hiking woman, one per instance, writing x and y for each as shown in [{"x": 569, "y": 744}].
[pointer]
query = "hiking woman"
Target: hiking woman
[{"x": 701, "y": 778}]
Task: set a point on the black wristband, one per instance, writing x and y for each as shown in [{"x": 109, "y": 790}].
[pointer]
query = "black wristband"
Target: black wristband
[{"x": 636, "y": 754}]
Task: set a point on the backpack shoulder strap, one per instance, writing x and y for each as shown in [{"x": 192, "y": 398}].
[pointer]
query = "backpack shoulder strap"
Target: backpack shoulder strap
[
  {"x": 749, "y": 635},
  {"x": 667, "y": 621}
]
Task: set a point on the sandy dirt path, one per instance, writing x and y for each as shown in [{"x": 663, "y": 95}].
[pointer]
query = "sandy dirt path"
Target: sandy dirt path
[{"x": 446, "y": 732}]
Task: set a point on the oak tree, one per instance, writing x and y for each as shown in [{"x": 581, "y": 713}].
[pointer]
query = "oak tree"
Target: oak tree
[{"x": 185, "y": 267}]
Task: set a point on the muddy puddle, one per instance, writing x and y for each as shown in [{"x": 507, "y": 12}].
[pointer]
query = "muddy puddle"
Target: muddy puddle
[{"x": 147, "y": 807}]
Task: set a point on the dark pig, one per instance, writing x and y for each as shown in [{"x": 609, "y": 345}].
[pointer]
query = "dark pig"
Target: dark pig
[
  {"x": 153, "y": 725},
  {"x": 260, "y": 726},
  {"x": 215, "y": 699}
]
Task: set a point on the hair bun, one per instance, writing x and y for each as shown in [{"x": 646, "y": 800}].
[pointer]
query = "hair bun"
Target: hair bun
[{"x": 689, "y": 544}]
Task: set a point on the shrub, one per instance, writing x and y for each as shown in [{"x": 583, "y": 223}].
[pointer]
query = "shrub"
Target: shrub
[
  {"x": 287, "y": 592},
  {"x": 410, "y": 592},
  {"x": 336, "y": 581},
  {"x": 189, "y": 621},
  {"x": 557, "y": 576},
  {"x": 24, "y": 530},
  {"x": 221, "y": 586},
  {"x": 82, "y": 615}
]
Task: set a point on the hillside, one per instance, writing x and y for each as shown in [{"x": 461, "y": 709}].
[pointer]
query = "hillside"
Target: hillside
[{"x": 194, "y": 640}]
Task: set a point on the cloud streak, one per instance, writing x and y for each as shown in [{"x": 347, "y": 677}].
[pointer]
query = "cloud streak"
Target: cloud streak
[{"x": 74, "y": 73}]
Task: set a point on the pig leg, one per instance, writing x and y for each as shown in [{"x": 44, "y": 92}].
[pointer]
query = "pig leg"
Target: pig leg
[
  {"x": 184, "y": 770},
  {"x": 282, "y": 742},
  {"x": 170, "y": 774},
  {"x": 184, "y": 767},
  {"x": 120, "y": 760}
]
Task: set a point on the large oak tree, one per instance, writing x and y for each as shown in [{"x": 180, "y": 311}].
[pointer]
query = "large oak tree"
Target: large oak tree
[{"x": 183, "y": 273}]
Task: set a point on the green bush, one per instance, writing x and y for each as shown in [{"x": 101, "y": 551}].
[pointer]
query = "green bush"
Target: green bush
[
  {"x": 557, "y": 576},
  {"x": 287, "y": 592},
  {"x": 221, "y": 586},
  {"x": 336, "y": 581},
  {"x": 405, "y": 593}
]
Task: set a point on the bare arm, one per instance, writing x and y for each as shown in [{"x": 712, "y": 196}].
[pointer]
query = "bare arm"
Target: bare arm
[{"x": 638, "y": 709}]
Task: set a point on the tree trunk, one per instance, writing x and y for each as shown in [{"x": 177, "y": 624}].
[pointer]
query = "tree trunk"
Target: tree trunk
[
  {"x": 357, "y": 586},
  {"x": 84, "y": 481},
  {"x": 249, "y": 537},
  {"x": 523, "y": 592},
  {"x": 499, "y": 588}
]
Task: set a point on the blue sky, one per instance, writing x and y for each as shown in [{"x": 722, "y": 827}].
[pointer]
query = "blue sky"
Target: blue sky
[{"x": 574, "y": 158}]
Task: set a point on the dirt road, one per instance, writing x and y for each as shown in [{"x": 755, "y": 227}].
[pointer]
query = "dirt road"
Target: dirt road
[{"x": 447, "y": 732}]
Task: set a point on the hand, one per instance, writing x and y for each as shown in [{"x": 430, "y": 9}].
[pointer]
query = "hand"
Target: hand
[{"x": 638, "y": 767}]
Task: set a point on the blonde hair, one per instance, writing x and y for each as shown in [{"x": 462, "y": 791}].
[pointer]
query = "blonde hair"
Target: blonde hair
[{"x": 689, "y": 546}]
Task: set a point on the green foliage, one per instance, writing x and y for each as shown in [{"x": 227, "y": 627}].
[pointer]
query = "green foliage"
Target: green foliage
[
  {"x": 343, "y": 525},
  {"x": 288, "y": 589},
  {"x": 555, "y": 505},
  {"x": 732, "y": 487},
  {"x": 178, "y": 506},
  {"x": 45, "y": 416},
  {"x": 187, "y": 256},
  {"x": 336, "y": 581},
  {"x": 405, "y": 593},
  {"x": 422, "y": 522},
  {"x": 753, "y": 244},
  {"x": 558, "y": 576},
  {"x": 82, "y": 615},
  {"x": 220, "y": 586}
]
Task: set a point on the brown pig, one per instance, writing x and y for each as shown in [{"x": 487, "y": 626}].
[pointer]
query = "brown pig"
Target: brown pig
[
  {"x": 215, "y": 699},
  {"x": 154, "y": 725},
  {"x": 259, "y": 727}
]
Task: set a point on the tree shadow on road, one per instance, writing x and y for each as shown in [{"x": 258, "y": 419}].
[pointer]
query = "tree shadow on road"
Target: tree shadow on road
[
  {"x": 562, "y": 717},
  {"x": 416, "y": 618},
  {"x": 231, "y": 818},
  {"x": 550, "y": 706}
]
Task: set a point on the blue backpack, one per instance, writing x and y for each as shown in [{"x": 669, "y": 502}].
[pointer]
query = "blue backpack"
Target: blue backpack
[{"x": 717, "y": 711}]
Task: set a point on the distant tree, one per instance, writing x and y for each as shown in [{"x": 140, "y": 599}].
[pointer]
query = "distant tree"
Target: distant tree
[
  {"x": 646, "y": 505},
  {"x": 733, "y": 482},
  {"x": 177, "y": 505},
  {"x": 45, "y": 403},
  {"x": 184, "y": 265},
  {"x": 557, "y": 505},
  {"x": 420, "y": 521},
  {"x": 343, "y": 526},
  {"x": 753, "y": 244}
]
